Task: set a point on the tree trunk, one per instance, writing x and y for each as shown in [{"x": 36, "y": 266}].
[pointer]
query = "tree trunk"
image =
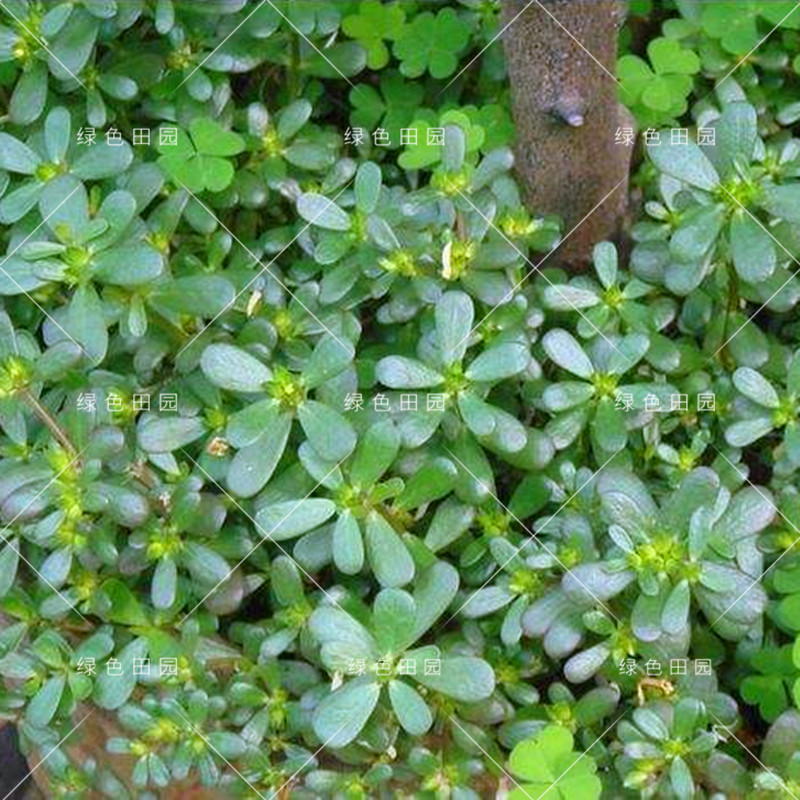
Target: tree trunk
[{"x": 567, "y": 113}]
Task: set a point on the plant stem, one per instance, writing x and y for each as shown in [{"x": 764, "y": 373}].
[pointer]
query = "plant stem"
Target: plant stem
[
  {"x": 732, "y": 306},
  {"x": 48, "y": 419},
  {"x": 294, "y": 68}
]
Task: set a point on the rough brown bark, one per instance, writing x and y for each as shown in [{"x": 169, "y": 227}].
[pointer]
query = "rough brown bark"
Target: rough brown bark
[{"x": 567, "y": 113}]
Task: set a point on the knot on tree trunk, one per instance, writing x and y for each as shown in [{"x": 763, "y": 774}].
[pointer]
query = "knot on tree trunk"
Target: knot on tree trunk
[{"x": 567, "y": 113}]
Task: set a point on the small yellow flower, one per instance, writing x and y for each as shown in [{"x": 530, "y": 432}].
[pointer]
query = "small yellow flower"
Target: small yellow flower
[
  {"x": 271, "y": 143},
  {"x": 401, "y": 262},
  {"x": 456, "y": 258},
  {"x": 139, "y": 748}
]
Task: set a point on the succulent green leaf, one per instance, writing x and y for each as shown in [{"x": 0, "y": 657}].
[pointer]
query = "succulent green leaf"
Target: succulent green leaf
[
  {"x": 290, "y": 518},
  {"x": 328, "y": 432},
  {"x": 497, "y": 363},
  {"x": 348, "y": 545},
  {"x": 165, "y": 583},
  {"x": 339, "y": 718},
  {"x": 165, "y": 434},
  {"x": 388, "y": 556},
  {"x": 329, "y": 358},
  {"x": 432, "y": 481},
  {"x": 399, "y": 372},
  {"x": 650, "y": 723},
  {"x": 454, "y": 317},
  {"x": 253, "y": 465},
  {"x": 330, "y": 625},
  {"x": 293, "y": 117},
  {"x": 783, "y": 201},
  {"x": 44, "y": 704},
  {"x": 322, "y": 212},
  {"x": 112, "y": 691},
  {"x": 393, "y": 617},
  {"x": 434, "y": 590},
  {"x": 232, "y": 368},
  {"x": 412, "y": 712},
  {"x": 680, "y": 778},
  {"x": 376, "y": 452},
  {"x": 9, "y": 561},
  {"x": 755, "y": 387},
  {"x": 753, "y": 249},
  {"x": 564, "y": 350},
  {"x": 103, "y": 160},
  {"x": 686, "y": 162},
  {"x": 15, "y": 156},
  {"x": 367, "y": 186},
  {"x": 747, "y": 431},
  {"x": 675, "y": 613},
  {"x": 463, "y": 678}
]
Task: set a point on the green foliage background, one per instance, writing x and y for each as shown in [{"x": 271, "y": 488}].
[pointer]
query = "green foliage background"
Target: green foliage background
[{"x": 528, "y": 535}]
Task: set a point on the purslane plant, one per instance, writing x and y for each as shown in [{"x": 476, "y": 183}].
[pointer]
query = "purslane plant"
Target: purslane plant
[
  {"x": 722, "y": 203},
  {"x": 617, "y": 302},
  {"x": 55, "y": 156},
  {"x": 697, "y": 546},
  {"x": 594, "y": 401},
  {"x": 764, "y": 410},
  {"x": 389, "y": 660},
  {"x": 471, "y": 546},
  {"x": 664, "y": 746},
  {"x": 279, "y": 395},
  {"x": 440, "y": 369}
]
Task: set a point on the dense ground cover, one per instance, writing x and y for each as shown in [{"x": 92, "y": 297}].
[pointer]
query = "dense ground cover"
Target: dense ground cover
[{"x": 322, "y": 476}]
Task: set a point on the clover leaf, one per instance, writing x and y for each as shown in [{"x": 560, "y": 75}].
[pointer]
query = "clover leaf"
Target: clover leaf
[
  {"x": 770, "y": 685},
  {"x": 735, "y": 24},
  {"x": 375, "y": 23},
  {"x": 392, "y": 106},
  {"x": 547, "y": 764},
  {"x": 431, "y": 43},
  {"x": 658, "y": 94},
  {"x": 496, "y": 123},
  {"x": 199, "y": 159}
]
